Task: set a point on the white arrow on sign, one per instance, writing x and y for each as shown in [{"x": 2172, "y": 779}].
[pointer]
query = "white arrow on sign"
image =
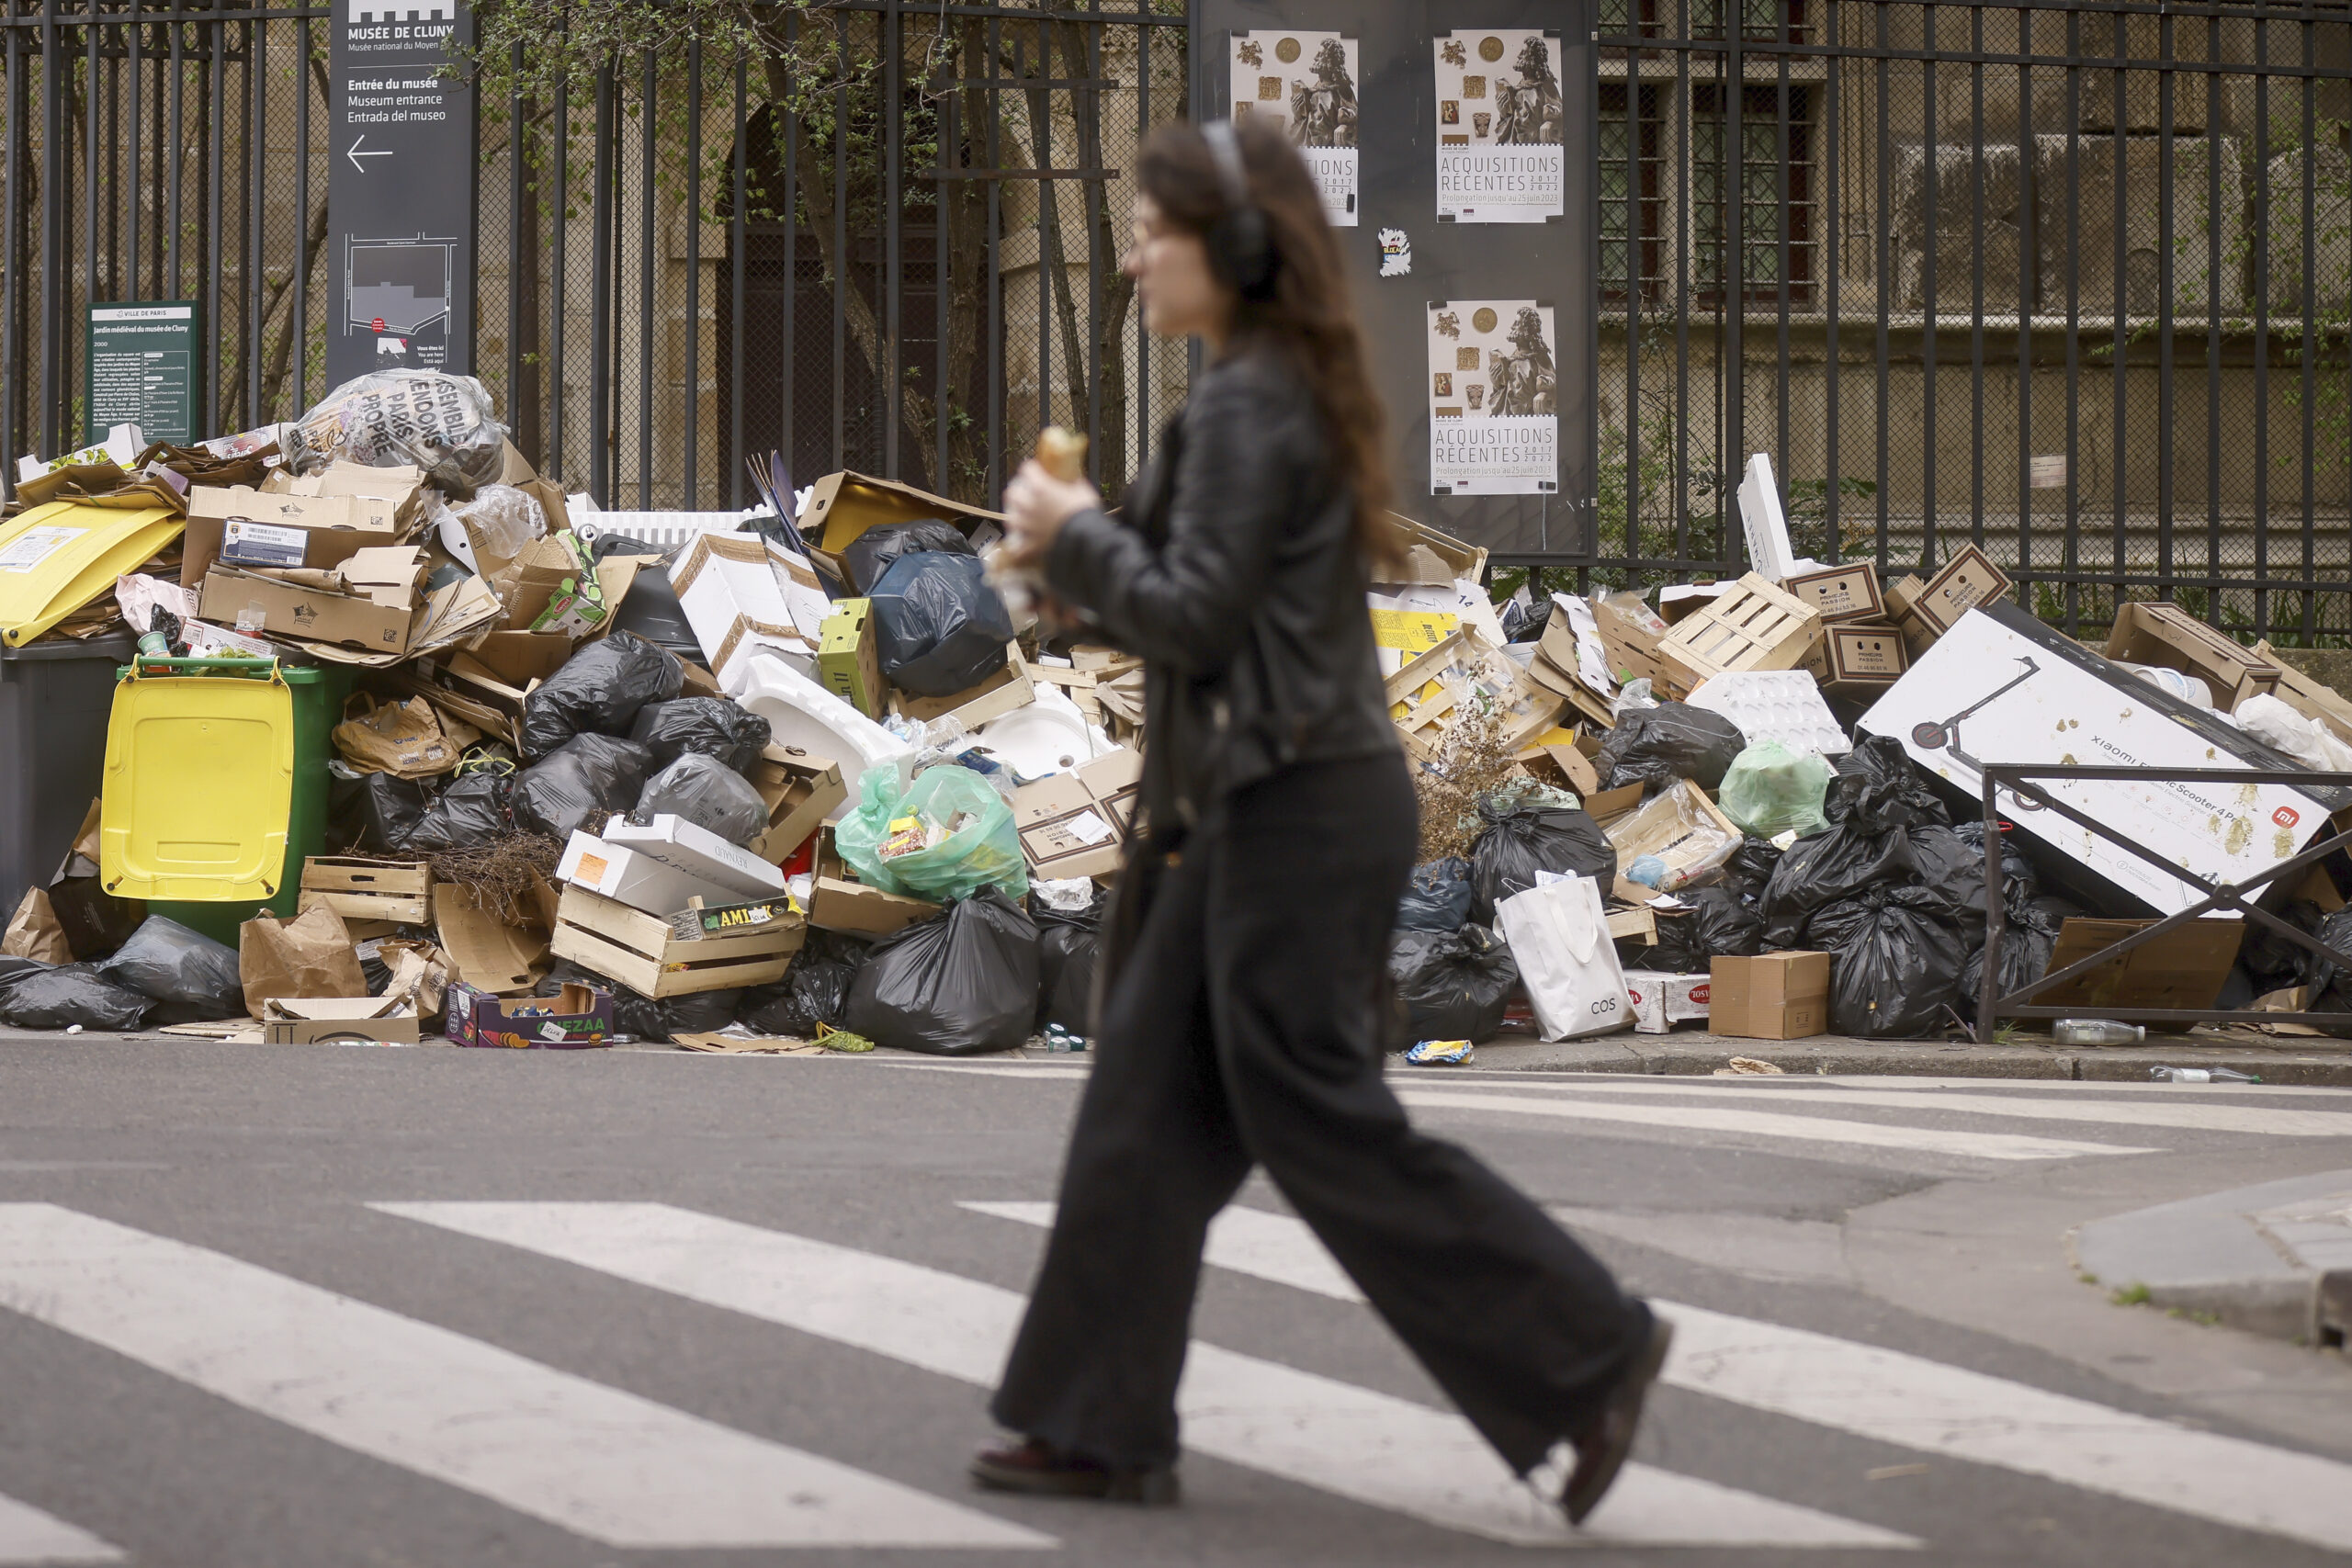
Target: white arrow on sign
[{"x": 355, "y": 155}]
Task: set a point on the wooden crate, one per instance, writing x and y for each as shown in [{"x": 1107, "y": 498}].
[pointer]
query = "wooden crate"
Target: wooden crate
[
  {"x": 1757, "y": 625},
  {"x": 361, "y": 889},
  {"x": 1425, "y": 694},
  {"x": 643, "y": 952}
]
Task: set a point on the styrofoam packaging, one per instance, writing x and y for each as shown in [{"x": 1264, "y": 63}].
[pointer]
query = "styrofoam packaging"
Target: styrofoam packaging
[
  {"x": 626, "y": 877},
  {"x": 746, "y": 595},
  {"x": 697, "y": 851},
  {"x": 801, "y": 713},
  {"x": 1662, "y": 999},
  {"x": 1559, "y": 935},
  {"x": 1774, "y": 705}
]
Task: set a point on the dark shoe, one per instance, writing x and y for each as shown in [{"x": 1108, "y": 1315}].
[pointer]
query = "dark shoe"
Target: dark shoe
[
  {"x": 1602, "y": 1449},
  {"x": 1033, "y": 1468}
]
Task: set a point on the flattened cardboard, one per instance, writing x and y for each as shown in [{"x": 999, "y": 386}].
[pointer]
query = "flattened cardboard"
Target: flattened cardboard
[
  {"x": 332, "y": 522},
  {"x": 2170, "y": 636},
  {"x": 837, "y": 902},
  {"x": 1001, "y": 693},
  {"x": 2183, "y": 968},
  {"x": 846, "y": 504},
  {"x": 802, "y": 790},
  {"x": 520, "y": 658},
  {"x": 1075, "y": 824},
  {"x": 487, "y": 955},
  {"x": 378, "y": 615},
  {"x": 1774, "y": 996}
]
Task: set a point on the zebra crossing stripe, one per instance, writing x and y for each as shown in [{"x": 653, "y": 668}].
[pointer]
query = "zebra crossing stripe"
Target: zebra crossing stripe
[
  {"x": 29, "y": 1536},
  {"x": 1767, "y": 1125},
  {"x": 1356, "y": 1443},
  {"x": 1903, "y": 1399},
  {"x": 599, "y": 1461}
]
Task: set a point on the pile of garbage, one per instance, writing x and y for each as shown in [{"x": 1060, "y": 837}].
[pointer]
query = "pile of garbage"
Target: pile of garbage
[
  {"x": 793, "y": 778},
  {"x": 512, "y": 770}
]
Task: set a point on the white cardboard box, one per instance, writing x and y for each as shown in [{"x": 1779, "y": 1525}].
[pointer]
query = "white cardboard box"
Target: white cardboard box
[
  {"x": 2002, "y": 687},
  {"x": 675, "y": 843},
  {"x": 626, "y": 877},
  {"x": 745, "y": 595},
  {"x": 1661, "y": 999}
]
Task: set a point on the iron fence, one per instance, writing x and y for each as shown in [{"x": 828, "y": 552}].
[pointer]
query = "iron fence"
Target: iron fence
[
  {"x": 2070, "y": 281},
  {"x": 887, "y": 240}
]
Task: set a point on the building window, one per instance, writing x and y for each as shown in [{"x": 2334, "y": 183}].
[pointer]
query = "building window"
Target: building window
[
  {"x": 1630, "y": 199},
  {"x": 1751, "y": 174}
]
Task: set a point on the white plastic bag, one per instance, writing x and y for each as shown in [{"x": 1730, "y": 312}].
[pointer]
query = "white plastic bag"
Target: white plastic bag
[
  {"x": 1559, "y": 937},
  {"x": 2281, "y": 728}
]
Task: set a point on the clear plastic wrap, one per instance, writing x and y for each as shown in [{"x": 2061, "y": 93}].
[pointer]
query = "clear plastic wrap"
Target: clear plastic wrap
[
  {"x": 947, "y": 837},
  {"x": 436, "y": 421}
]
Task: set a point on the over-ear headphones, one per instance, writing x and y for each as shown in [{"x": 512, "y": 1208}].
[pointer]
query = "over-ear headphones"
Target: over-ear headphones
[{"x": 1238, "y": 247}]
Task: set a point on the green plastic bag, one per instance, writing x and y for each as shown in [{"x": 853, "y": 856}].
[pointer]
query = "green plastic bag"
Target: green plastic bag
[
  {"x": 1772, "y": 787},
  {"x": 984, "y": 852}
]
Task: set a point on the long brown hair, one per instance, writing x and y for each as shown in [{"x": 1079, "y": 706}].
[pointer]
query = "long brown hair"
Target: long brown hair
[{"x": 1304, "y": 313}]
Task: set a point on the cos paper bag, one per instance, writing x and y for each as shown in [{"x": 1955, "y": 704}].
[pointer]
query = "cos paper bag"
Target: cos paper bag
[{"x": 1559, "y": 937}]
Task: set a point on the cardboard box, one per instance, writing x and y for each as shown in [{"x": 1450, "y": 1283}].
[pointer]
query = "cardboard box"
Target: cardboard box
[
  {"x": 338, "y": 1020},
  {"x": 1683, "y": 827},
  {"x": 2183, "y": 968},
  {"x": 802, "y": 790},
  {"x": 1757, "y": 625},
  {"x": 1841, "y": 593},
  {"x": 377, "y": 613},
  {"x": 576, "y": 1018},
  {"x": 361, "y": 889},
  {"x": 1864, "y": 657},
  {"x": 1633, "y": 635},
  {"x": 327, "y": 528},
  {"x": 699, "y": 853},
  {"x": 520, "y": 660},
  {"x": 1075, "y": 824},
  {"x": 1762, "y": 520},
  {"x": 2170, "y": 636},
  {"x": 2001, "y": 686},
  {"x": 641, "y": 952},
  {"x": 554, "y": 588},
  {"x": 744, "y": 593},
  {"x": 1662, "y": 1000},
  {"x": 391, "y": 498},
  {"x": 517, "y": 470},
  {"x": 620, "y": 873},
  {"x": 847, "y": 663},
  {"x": 846, "y": 504},
  {"x": 1774, "y": 996},
  {"x": 1968, "y": 580},
  {"x": 1001, "y": 693},
  {"x": 838, "y": 902}
]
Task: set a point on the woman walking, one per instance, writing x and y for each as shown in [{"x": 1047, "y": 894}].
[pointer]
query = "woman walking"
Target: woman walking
[{"x": 1244, "y": 952}]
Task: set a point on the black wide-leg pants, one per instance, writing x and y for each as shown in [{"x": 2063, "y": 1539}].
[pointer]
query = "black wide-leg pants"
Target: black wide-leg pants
[{"x": 1243, "y": 1030}]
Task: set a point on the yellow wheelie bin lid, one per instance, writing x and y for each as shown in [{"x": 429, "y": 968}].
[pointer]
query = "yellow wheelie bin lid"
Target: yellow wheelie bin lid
[
  {"x": 200, "y": 782},
  {"x": 56, "y": 559}
]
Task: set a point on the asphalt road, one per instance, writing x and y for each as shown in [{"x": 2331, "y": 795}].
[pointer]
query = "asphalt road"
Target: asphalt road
[{"x": 311, "y": 1307}]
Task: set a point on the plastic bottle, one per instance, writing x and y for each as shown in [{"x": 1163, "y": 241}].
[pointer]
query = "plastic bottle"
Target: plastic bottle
[
  {"x": 2096, "y": 1031},
  {"x": 2201, "y": 1074}
]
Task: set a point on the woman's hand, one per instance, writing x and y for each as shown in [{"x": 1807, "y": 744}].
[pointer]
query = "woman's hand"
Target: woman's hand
[{"x": 1036, "y": 504}]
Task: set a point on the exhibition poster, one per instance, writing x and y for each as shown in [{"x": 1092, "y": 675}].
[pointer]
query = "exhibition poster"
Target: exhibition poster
[
  {"x": 1305, "y": 83},
  {"x": 1493, "y": 398},
  {"x": 1501, "y": 127}
]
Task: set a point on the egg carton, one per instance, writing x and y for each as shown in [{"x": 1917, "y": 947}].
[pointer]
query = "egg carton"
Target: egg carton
[{"x": 1774, "y": 705}]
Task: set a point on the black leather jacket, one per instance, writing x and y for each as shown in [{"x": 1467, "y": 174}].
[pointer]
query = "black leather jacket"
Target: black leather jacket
[{"x": 1234, "y": 572}]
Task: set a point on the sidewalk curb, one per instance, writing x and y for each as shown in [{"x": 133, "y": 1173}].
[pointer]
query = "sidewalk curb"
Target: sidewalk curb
[{"x": 1699, "y": 1054}]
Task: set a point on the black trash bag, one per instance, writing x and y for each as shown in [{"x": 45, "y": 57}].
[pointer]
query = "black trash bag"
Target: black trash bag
[
  {"x": 95, "y": 921},
  {"x": 1894, "y": 966},
  {"x": 706, "y": 792},
  {"x": 1824, "y": 869},
  {"x": 585, "y": 774},
  {"x": 1068, "y": 945},
  {"x": 11, "y": 966},
  {"x": 191, "y": 977},
  {"x": 702, "y": 1012},
  {"x": 872, "y": 552},
  {"x": 1520, "y": 841},
  {"x": 2018, "y": 879},
  {"x": 373, "y": 815},
  {"x": 2274, "y": 963},
  {"x": 653, "y": 612},
  {"x": 1879, "y": 786},
  {"x": 1953, "y": 871},
  {"x": 1720, "y": 923},
  {"x": 1751, "y": 865},
  {"x": 711, "y": 726},
  {"x": 938, "y": 627},
  {"x": 474, "y": 809},
  {"x": 2029, "y": 935},
  {"x": 814, "y": 990},
  {"x": 1673, "y": 740},
  {"x": 599, "y": 690},
  {"x": 956, "y": 985},
  {"x": 1451, "y": 985},
  {"x": 1438, "y": 898},
  {"x": 71, "y": 993}
]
